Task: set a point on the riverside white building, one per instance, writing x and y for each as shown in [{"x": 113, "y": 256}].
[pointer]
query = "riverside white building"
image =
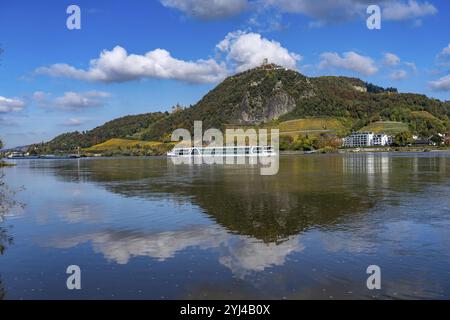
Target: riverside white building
[
  {"x": 382, "y": 139},
  {"x": 367, "y": 139}
]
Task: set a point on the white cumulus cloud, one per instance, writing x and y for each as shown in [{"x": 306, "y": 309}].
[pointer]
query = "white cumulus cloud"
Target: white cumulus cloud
[
  {"x": 75, "y": 101},
  {"x": 72, "y": 100},
  {"x": 398, "y": 75},
  {"x": 323, "y": 11},
  {"x": 327, "y": 11},
  {"x": 400, "y": 10},
  {"x": 248, "y": 50},
  {"x": 208, "y": 9},
  {"x": 442, "y": 84},
  {"x": 240, "y": 51},
  {"x": 350, "y": 61},
  {"x": 40, "y": 96},
  {"x": 412, "y": 66},
  {"x": 446, "y": 51},
  {"x": 391, "y": 60},
  {"x": 119, "y": 66},
  {"x": 10, "y": 105},
  {"x": 443, "y": 57}
]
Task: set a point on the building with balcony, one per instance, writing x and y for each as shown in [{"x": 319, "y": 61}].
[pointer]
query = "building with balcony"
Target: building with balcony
[{"x": 367, "y": 139}]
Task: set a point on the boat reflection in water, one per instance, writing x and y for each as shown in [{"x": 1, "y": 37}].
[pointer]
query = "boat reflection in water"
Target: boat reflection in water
[{"x": 240, "y": 155}]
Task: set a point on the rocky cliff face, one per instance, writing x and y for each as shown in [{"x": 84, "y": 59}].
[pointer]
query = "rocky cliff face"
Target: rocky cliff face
[{"x": 258, "y": 110}]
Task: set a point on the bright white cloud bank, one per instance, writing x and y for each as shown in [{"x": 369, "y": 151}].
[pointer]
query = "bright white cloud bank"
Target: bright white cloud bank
[
  {"x": 10, "y": 105},
  {"x": 350, "y": 61},
  {"x": 248, "y": 50},
  {"x": 242, "y": 51},
  {"x": 119, "y": 66},
  {"x": 442, "y": 84}
]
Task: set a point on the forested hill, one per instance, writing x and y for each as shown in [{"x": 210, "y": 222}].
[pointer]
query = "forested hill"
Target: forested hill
[
  {"x": 124, "y": 127},
  {"x": 270, "y": 93}
]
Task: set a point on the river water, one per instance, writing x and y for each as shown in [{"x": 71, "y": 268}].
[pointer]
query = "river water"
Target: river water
[{"x": 144, "y": 228}]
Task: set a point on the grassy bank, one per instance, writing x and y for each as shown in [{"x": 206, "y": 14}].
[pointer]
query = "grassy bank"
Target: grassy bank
[
  {"x": 114, "y": 147},
  {"x": 307, "y": 126},
  {"x": 387, "y": 127}
]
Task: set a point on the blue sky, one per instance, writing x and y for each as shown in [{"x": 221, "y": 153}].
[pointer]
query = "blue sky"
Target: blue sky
[{"x": 159, "y": 53}]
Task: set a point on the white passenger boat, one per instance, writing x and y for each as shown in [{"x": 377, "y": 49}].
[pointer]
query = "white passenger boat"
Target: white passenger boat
[{"x": 255, "y": 151}]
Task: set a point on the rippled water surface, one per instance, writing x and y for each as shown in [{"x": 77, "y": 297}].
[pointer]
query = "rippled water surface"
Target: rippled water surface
[{"x": 147, "y": 229}]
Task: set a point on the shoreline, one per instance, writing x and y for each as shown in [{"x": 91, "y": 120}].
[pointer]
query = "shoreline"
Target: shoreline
[
  {"x": 367, "y": 150},
  {"x": 4, "y": 164},
  {"x": 393, "y": 150}
]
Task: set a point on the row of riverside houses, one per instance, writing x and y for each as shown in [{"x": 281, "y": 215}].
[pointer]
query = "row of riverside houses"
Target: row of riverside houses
[{"x": 367, "y": 139}]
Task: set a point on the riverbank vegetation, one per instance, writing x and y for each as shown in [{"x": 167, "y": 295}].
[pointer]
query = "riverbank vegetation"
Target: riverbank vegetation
[
  {"x": 128, "y": 147},
  {"x": 323, "y": 143},
  {"x": 387, "y": 127}
]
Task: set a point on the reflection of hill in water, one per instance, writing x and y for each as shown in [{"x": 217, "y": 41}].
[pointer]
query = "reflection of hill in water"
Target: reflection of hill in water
[{"x": 308, "y": 191}]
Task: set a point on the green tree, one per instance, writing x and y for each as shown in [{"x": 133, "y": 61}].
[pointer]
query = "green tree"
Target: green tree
[
  {"x": 330, "y": 141},
  {"x": 286, "y": 142},
  {"x": 437, "y": 139},
  {"x": 403, "y": 139},
  {"x": 306, "y": 143}
]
